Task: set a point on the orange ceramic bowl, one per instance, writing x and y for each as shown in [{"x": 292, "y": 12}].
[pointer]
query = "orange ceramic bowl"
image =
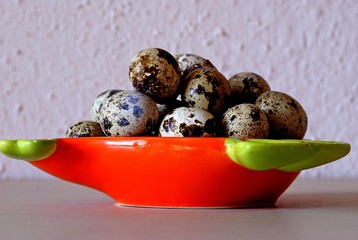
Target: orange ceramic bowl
[{"x": 165, "y": 172}]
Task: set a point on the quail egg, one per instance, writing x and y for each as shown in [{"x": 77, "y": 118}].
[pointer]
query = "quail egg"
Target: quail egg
[
  {"x": 188, "y": 62},
  {"x": 188, "y": 122},
  {"x": 97, "y": 103},
  {"x": 244, "y": 121},
  {"x": 206, "y": 88},
  {"x": 156, "y": 73},
  {"x": 288, "y": 119},
  {"x": 246, "y": 87},
  {"x": 85, "y": 129},
  {"x": 164, "y": 109},
  {"x": 128, "y": 113}
]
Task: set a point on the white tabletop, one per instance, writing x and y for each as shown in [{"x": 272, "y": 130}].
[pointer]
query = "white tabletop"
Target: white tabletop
[{"x": 54, "y": 209}]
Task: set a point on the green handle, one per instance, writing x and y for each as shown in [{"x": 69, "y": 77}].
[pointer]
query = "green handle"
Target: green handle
[
  {"x": 30, "y": 150},
  {"x": 285, "y": 154},
  {"x": 322, "y": 153}
]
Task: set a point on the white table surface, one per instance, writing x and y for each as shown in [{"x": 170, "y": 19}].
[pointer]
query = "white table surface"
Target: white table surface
[{"x": 54, "y": 209}]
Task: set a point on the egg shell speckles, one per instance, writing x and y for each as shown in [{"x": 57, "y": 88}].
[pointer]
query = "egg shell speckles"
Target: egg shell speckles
[
  {"x": 97, "y": 103},
  {"x": 208, "y": 89},
  {"x": 246, "y": 87},
  {"x": 156, "y": 73},
  {"x": 128, "y": 113},
  {"x": 188, "y": 62},
  {"x": 288, "y": 119},
  {"x": 245, "y": 121},
  {"x": 188, "y": 122},
  {"x": 165, "y": 108},
  {"x": 85, "y": 129}
]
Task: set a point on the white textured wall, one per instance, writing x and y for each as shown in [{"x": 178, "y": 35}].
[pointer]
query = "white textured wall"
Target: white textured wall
[{"x": 57, "y": 56}]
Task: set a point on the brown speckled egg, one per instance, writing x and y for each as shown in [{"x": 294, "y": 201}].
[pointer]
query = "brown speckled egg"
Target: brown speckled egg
[
  {"x": 85, "y": 129},
  {"x": 164, "y": 109},
  {"x": 188, "y": 62},
  {"x": 128, "y": 113},
  {"x": 244, "y": 121},
  {"x": 246, "y": 87},
  {"x": 288, "y": 119},
  {"x": 97, "y": 103},
  {"x": 155, "y": 72},
  {"x": 208, "y": 89},
  {"x": 188, "y": 122}
]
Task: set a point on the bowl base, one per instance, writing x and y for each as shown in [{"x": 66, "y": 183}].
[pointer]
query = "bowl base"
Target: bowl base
[{"x": 270, "y": 204}]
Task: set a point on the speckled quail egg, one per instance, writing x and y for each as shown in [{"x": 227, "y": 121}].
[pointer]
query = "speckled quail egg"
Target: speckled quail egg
[
  {"x": 244, "y": 121},
  {"x": 206, "y": 88},
  {"x": 97, "y": 103},
  {"x": 246, "y": 87},
  {"x": 288, "y": 119},
  {"x": 156, "y": 73},
  {"x": 164, "y": 109},
  {"x": 188, "y": 62},
  {"x": 85, "y": 129},
  {"x": 188, "y": 122},
  {"x": 128, "y": 113}
]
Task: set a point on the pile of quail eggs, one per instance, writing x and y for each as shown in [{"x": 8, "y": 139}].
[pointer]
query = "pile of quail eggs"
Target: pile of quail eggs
[{"x": 185, "y": 95}]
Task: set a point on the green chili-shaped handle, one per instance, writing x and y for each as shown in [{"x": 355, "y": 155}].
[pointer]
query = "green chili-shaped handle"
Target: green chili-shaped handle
[
  {"x": 30, "y": 150},
  {"x": 285, "y": 154}
]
